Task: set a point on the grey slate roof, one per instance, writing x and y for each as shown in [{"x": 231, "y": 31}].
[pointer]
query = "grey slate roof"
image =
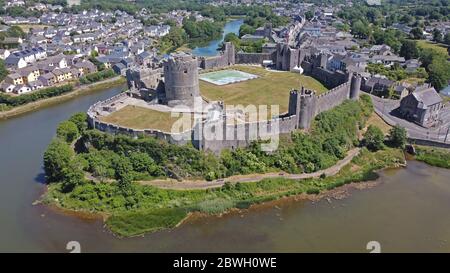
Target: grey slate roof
[{"x": 427, "y": 96}]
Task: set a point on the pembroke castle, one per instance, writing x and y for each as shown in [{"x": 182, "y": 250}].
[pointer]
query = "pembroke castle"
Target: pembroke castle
[{"x": 176, "y": 82}]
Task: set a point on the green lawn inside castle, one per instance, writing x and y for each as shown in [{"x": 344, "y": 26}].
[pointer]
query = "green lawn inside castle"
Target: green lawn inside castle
[
  {"x": 91, "y": 171},
  {"x": 269, "y": 88}
]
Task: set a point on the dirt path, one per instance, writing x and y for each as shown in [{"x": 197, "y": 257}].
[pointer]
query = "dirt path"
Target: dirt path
[{"x": 203, "y": 184}]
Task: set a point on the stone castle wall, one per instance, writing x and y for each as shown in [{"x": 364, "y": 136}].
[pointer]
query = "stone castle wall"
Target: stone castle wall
[
  {"x": 253, "y": 58},
  {"x": 332, "y": 98},
  {"x": 225, "y": 58},
  {"x": 241, "y": 135},
  {"x": 178, "y": 138},
  {"x": 329, "y": 78}
]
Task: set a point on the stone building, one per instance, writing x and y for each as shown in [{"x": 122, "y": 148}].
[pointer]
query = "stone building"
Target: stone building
[
  {"x": 422, "y": 106},
  {"x": 181, "y": 80}
]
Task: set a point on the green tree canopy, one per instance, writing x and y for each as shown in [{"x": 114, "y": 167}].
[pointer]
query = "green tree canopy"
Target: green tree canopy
[
  {"x": 409, "y": 49},
  {"x": 80, "y": 120},
  {"x": 3, "y": 71},
  {"x": 67, "y": 131},
  {"x": 398, "y": 136},
  {"x": 374, "y": 138},
  {"x": 56, "y": 160}
]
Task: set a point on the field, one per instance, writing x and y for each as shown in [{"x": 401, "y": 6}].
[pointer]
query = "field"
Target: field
[
  {"x": 429, "y": 45},
  {"x": 271, "y": 88},
  {"x": 141, "y": 118}
]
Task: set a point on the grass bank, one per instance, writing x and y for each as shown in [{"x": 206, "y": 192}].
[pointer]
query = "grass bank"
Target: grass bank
[
  {"x": 438, "y": 157},
  {"x": 84, "y": 89},
  {"x": 154, "y": 209}
]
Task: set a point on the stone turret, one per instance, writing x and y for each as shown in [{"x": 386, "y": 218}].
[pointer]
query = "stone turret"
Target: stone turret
[
  {"x": 355, "y": 86},
  {"x": 181, "y": 80},
  {"x": 302, "y": 104},
  {"x": 294, "y": 105},
  {"x": 308, "y": 101},
  {"x": 230, "y": 52}
]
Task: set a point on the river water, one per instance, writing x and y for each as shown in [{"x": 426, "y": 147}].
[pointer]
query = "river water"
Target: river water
[{"x": 211, "y": 48}]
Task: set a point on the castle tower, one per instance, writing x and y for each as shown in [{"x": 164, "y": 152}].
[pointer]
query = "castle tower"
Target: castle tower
[
  {"x": 355, "y": 86},
  {"x": 294, "y": 105},
  {"x": 230, "y": 51},
  {"x": 303, "y": 105},
  {"x": 307, "y": 108},
  {"x": 323, "y": 60},
  {"x": 181, "y": 80},
  {"x": 287, "y": 57}
]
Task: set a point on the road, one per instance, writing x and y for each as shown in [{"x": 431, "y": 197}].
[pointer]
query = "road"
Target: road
[{"x": 384, "y": 107}]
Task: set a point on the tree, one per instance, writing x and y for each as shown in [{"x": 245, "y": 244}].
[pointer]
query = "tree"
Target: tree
[
  {"x": 309, "y": 15},
  {"x": 123, "y": 168},
  {"x": 417, "y": 33},
  {"x": 3, "y": 71},
  {"x": 374, "y": 138},
  {"x": 439, "y": 73},
  {"x": 398, "y": 136},
  {"x": 447, "y": 39},
  {"x": 176, "y": 37},
  {"x": 16, "y": 31},
  {"x": 360, "y": 29},
  {"x": 56, "y": 160},
  {"x": 437, "y": 36},
  {"x": 143, "y": 163},
  {"x": 67, "y": 131},
  {"x": 246, "y": 29},
  {"x": 409, "y": 49},
  {"x": 73, "y": 175},
  {"x": 80, "y": 120}
]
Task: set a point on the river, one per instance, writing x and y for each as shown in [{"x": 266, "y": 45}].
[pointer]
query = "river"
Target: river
[{"x": 211, "y": 48}]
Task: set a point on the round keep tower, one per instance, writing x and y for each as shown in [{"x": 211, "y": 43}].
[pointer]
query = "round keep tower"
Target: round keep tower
[{"x": 181, "y": 79}]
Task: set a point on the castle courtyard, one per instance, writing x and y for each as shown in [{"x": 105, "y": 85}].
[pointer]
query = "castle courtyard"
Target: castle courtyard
[
  {"x": 138, "y": 117},
  {"x": 270, "y": 88}
]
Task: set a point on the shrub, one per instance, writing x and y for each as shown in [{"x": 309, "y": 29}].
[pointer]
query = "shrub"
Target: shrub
[
  {"x": 313, "y": 191},
  {"x": 97, "y": 76}
]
